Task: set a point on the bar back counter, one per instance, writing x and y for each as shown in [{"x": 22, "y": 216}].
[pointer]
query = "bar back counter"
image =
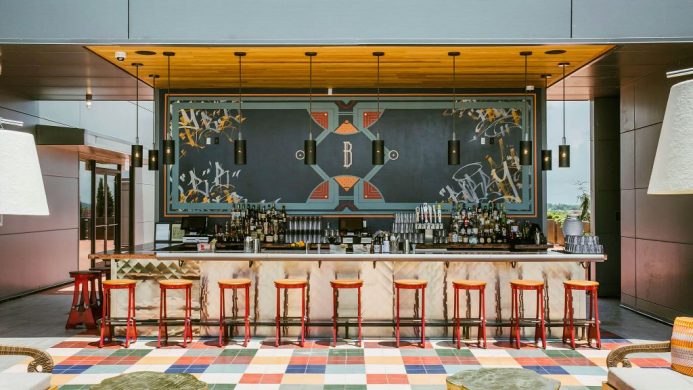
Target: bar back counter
[{"x": 378, "y": 271}]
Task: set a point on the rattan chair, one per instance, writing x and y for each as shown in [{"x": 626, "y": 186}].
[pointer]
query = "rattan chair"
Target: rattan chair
[
  {"x": 619, "y": 355},
  {"x": 42, "y": 361}
]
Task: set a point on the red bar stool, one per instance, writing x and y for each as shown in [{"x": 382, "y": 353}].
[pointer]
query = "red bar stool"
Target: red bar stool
[
  {"x": 590, "y": 288},
  {"x": 540, "y": 326},
  {"x": 84, "y": 302},
  {"x": 336, "y": 285},
  {"x": 234, "y": 284},
  {"x": 470, "y": 285},
  {"x": 412, "y": 284},
  {"x": 106, "y": 319},
  {"x": 175, "y": 284},
  {"x": 104, "y": 273},
  {"x": 289, "y": 284}
]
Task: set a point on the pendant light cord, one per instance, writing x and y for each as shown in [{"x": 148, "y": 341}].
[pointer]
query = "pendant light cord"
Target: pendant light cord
[
  {"x": 377, "y": 86},
  {"x": 454, "y": 93},
  {"x": 168, "y": 96},
  {"x": 154, "y": 116},
  {"x": 137, "y": 105},
  {"x": 525, "y": 99},
  {"x": 310, "y": 98},
  {"x": 563, "y": 104},
  {"x": 240, "y": 96}
]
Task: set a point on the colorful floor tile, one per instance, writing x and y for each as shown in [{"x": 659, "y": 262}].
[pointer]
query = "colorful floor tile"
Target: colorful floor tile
[{"x": 378, "y": 365}]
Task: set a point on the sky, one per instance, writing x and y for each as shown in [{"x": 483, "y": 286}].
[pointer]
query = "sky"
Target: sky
[{"x": 561, "y": 186}]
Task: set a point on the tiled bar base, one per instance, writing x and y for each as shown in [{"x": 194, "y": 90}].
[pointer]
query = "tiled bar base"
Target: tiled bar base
[{"x": 378, "y": 292}]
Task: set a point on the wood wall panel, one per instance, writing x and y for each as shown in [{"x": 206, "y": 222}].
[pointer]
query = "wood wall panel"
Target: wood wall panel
[
  {"x": 663, "y": 217},
  {"x": 627, "y": 108},
  {"x": 628, "y": 266},
  {"x": 628, "y": 213},
  {"x": 650, "y": 99},
  {"x": 646, "y": 140},
  {"x": 664, "y": 272},
  {"x": 627, "y": 156}
]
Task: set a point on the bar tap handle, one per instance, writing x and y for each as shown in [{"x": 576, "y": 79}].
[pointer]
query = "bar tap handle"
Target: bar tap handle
[{"x": 417, "y": 212}]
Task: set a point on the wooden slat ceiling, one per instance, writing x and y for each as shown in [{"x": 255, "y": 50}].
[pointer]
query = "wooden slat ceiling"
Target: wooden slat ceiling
[{"x": 352, "y": 66}]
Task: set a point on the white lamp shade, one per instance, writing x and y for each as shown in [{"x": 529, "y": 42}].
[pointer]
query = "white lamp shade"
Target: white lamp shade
[
  {"x": 21, "y": 182},
  {"x": 672, "y": 172}
]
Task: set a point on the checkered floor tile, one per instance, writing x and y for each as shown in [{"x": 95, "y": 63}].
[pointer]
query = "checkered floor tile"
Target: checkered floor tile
[{"x": 378, "y": 365}]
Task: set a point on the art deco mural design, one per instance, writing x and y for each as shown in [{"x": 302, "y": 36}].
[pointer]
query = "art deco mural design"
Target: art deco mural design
[{"x": 415, "y": 130}]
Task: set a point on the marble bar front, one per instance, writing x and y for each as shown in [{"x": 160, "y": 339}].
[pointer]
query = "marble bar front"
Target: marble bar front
[{"x": 378, "y": 271}]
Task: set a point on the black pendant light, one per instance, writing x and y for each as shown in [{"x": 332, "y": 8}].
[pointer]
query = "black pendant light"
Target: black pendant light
[
  {"x": 454, "y": 144},
  {"x": 153, "y": 160},
  {"x": 239, "y": 155},
  {"x": 525, "y": 144},
  {"x": 137, "y": 150},
  {"x": 378, "y": 145},
  {"x": 546, "y": 160},
  {"x": 563, "y": 148},
  {"x": 310, "y": 145},
  {"x": 168, "y": 146}
]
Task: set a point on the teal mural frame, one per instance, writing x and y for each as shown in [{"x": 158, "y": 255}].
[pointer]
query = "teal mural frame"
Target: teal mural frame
[{"x": 364, "y": 103}]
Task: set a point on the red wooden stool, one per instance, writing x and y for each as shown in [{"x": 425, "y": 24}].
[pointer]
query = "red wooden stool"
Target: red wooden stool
[
  {"x": 287, "y": 284},
  {"x": 592, "y": 320},
  {"x": 234, "y": 284},
  {"x": 336, "y": 285},
  {"x": 175, "y": 284},
  {"x": 412, "y": 284},
  {"x": 106, "y": 319},
  {"x": 84, "y": 302},
  {"x": 104, "y": 273},
  {"x": 468, "y": 285},
  {"x": 515, "y": 320}
]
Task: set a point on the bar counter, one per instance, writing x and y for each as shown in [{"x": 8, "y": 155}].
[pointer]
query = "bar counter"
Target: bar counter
[{"x": 147, "y": 264}]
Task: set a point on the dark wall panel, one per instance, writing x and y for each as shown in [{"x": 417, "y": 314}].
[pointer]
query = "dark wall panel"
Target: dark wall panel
[
  {"x": 646, "y": 140},
  {"x": 657, "y": 270},
  {"x": 650, "y": 99},
  {"x": 664, "y": 273},
  {"x": 663, "y": 217},
  {"x": 628, "y": 266},
  {"x": 627, "y": 107},
  {"x": 627, "y": 155},
  {"x": 628, "y": 213}
]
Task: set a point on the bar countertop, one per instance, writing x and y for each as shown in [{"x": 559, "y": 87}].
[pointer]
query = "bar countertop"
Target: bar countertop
[{"x": 165, "y": 252}]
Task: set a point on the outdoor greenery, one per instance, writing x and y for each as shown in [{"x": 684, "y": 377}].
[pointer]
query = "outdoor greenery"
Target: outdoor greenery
[
  {"x": 100, "y": 209},
  {"x": 560, "y": 211}
]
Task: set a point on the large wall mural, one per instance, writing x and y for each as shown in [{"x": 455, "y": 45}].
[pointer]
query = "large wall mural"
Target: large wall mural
[{"x": 205, "y": 180}]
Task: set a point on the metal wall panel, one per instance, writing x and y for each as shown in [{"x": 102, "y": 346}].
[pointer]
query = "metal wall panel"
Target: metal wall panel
[
  {"x": 62, "y": 197},
  {"x": 632, "y": 19},
  {"x": 63, "y": 20},
  {"x": 37, "y": 259},
  {"x": 355, "y": 22}
]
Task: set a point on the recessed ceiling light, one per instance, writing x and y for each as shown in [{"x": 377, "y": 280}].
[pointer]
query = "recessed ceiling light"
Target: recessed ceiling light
[
  {"x": 145, "y": 52},
  {"x": 555, "y": 51}
]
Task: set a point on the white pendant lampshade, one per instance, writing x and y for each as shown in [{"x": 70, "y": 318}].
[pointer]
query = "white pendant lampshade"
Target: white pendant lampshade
[
  {"x": 21, "y": 182},
  {"x": 672, "y": 173}
]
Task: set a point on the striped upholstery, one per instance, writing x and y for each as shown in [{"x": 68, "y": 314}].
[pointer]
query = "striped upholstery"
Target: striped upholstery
[{"x": 682, "y": 346}]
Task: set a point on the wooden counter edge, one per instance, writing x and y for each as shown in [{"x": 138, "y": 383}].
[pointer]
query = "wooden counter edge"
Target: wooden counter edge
[{"x": 119, "y": 256}]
